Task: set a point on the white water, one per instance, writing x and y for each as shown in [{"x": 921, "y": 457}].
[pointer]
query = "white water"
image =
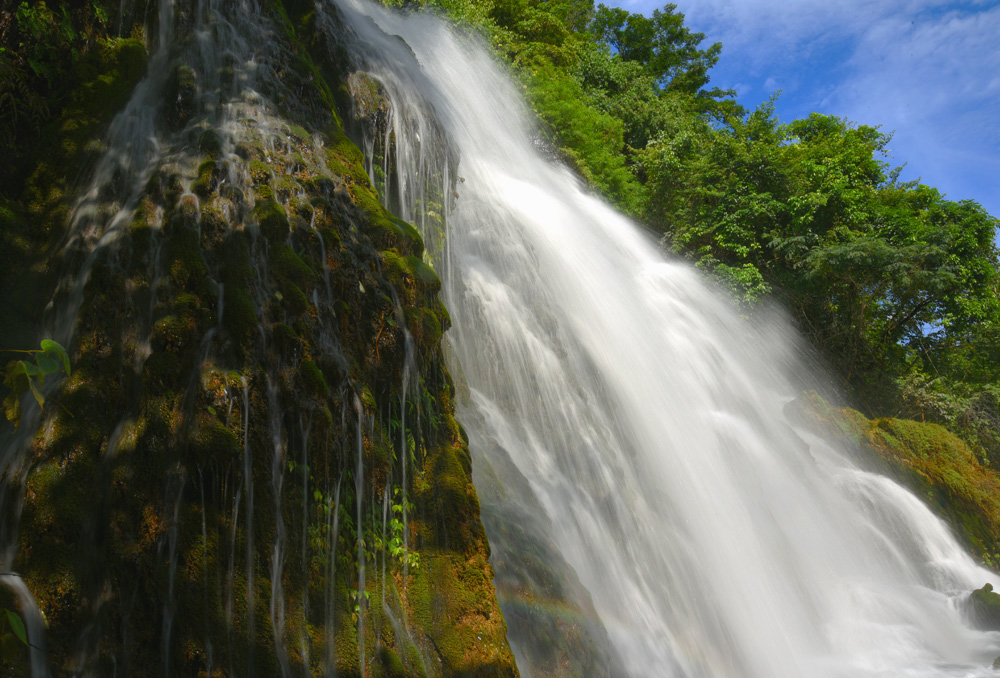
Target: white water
[{"x": 648, "y": 418}]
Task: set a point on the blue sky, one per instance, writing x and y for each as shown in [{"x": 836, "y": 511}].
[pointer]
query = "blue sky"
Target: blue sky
[{"x": 928, "y": 70}]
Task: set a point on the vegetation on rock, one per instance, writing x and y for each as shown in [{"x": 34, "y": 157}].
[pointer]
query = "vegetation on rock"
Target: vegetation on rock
[
  {"x": 936, "y": 464},
  {"x": 235, "y": 447}
]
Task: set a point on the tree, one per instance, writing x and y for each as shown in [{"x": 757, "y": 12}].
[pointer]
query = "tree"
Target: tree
[{"x": 662, "y": 44}]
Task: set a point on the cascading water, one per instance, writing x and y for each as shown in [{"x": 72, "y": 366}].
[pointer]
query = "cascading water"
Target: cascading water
[
  {"x": 645, "y": 416},
  {"x": 257, "y": 390}
]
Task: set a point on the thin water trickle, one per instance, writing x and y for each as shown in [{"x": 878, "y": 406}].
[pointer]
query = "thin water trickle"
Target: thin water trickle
[
  {"x": 330, "y": 581},
  {"x": 209, "y": 649},
  {"x": 170, "y": 604},
  {"x": 359, "y": 495},
  {"x": 306, "y": 428},
  {"x": 646, "y": 417},
  {"x": 248, "y": 511},
  {"x": 277, "y": 606},
  {"x": 409, "y": 372}
]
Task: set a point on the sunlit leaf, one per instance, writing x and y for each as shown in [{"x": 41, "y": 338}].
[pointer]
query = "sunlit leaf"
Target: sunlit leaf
[
  {"x": 50, "y": 346},
  {"x": 12, "y": 409},
  {"x": 17, "y": 626},
  {"x": 35, "y": 392}
]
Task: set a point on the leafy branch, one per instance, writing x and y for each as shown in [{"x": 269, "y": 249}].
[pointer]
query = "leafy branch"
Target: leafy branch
[{"x": 22, "y": 376}]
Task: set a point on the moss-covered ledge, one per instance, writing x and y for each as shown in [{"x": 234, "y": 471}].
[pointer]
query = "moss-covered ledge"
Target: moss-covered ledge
[{"x": 933, "y": 462}]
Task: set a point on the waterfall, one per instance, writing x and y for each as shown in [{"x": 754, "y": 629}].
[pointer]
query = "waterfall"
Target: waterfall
[
  {"x": 257, "y": 440},
  {"x": 643, "y": 417}
]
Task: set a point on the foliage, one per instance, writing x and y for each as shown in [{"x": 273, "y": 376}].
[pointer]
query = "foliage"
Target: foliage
[
  {"x": 13, "y": 635},
  {"x": 22, "y": 376},
  {"x": 665, "y": 48},
  {"x": 872, "y": 269},
  {"x": 590, "y": 140},
  {"x": 41, "y": 44}
]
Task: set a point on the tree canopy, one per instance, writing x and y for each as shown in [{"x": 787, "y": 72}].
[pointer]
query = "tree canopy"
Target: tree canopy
[{"x": 666, "y": 48}]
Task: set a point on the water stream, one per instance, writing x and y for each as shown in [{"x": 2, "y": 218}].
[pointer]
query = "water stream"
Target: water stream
[{"x": 645, "y": 416}]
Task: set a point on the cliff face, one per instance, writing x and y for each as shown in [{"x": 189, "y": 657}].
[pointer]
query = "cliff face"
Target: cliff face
[{"x": 254, "y": 468}]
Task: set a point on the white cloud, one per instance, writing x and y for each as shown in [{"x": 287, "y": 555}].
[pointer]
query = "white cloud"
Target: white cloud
[
  {"x": 927, "y": 69},
  {"x": 933, "y": 79}
]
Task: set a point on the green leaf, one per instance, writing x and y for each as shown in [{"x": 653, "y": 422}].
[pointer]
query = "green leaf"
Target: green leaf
[
  {"x": 56, "y": 351},
  {"x": 50, "y": 346},
  {"x": 35, "y": 392},
  {"x": 17, "y": 626},
  {"x": 47, "y": 364},
  {"x": 12, "y": 409},
  {"x": 26, "y": 368}
]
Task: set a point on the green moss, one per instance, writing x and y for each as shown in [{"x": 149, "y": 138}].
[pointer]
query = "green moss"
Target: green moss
[
  {"x": 413, "y": 237},
  {"x": 410, "y": 270},
  {"x": 162, "y": 369},
  {"x": 449, "y": 597},
  {"x": 237, "y": 264},
  {"x": 285, "y": 188},
  {"x": 367, "y": 399},
  {"x": 984, "y": 608},
  {"x": 185, "y": 264},
  {"x": 331, "y": 239},
  {"x": 391, "y": 664},
  {"x": 212, "y": 442},
  {"x": 450, "y": 493},
  {"x": 313, "y": 379},
  {"x": 172, "y": 333},
  {"x": 260, "y": 173},
  {"x": 272, "y": 220},
  {"x": 345, "y": 159},
  {"x": 239, "y": 317},
  {"x": 285, "y": 338},
  {"x": 130, "y": 54},
  {"x": 210, "y": 144},
  {"x": 285, "y": 264},
  {"x": 431, "y": 327},
  {"x": 209, "y": 174},
  {"x": 293, "y": 299}
]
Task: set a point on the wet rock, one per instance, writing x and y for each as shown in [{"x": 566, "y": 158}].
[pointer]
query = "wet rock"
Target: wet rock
[{"x": 983, "y": 607}]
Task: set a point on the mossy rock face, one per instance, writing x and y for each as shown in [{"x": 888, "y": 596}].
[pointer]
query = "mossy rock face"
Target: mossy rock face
[
  {"x": 239, "y": 316},
  {"x": 237, "y": 394},
  {"x": 271, "y": 219},
  {"x": 210, "y": 144},
  {"x": 313, "y": 379},
  {"x": 182, "y": 95},
  {"x": 285, "y": 337},
  {"x": 213, "y": 442},
  {"x": 934, "y": 463},
  {"x": 287, "y": 265}
]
